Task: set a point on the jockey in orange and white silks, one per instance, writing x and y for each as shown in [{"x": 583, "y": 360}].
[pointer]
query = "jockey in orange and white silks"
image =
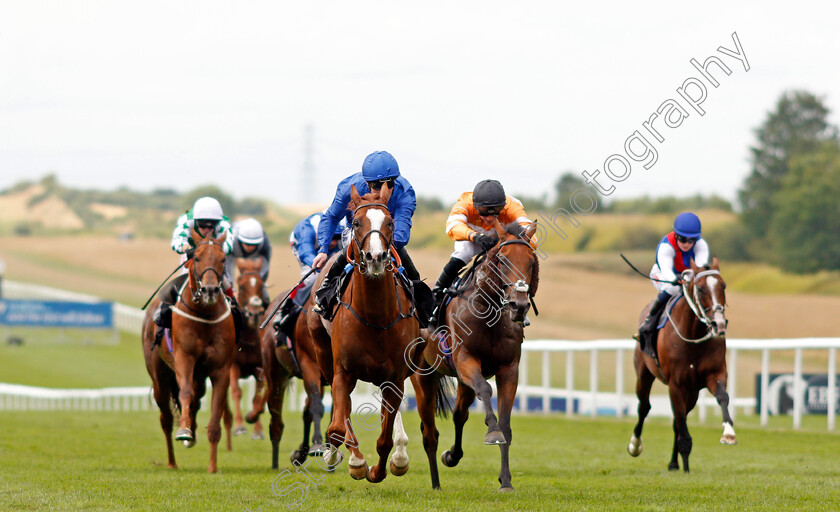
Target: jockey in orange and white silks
[{"x": 471, "y": 225}]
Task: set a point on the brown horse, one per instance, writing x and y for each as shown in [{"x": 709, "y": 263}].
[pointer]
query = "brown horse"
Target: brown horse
[
  {"x": 279, "y": 368},
  {"x": 692, "y": 356},
  {"x": 203, "y": 340},
  {"x": 482, "y": 329},
  {"x": 367, "y": 339},
  {"x": 247, "y": 361}
]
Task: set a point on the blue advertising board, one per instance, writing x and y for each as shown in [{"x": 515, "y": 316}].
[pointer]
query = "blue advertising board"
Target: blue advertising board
[{"x": 40, "y": 313}]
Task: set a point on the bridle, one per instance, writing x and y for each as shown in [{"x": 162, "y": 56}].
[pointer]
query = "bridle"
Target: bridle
[
  {"x": 518, "y": 286},
  {"x": 256, "y": 302},
  {"x": 360, "y": 243},
  {"x": 689, "y": 281},
  {"x": 199, "y": 291}
]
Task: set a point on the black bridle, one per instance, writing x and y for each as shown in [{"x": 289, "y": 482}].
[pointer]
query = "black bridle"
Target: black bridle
[{"x": 199, "y": 275}]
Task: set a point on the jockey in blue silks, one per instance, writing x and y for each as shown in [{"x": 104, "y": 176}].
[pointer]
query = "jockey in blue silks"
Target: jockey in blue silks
[
  {"x": 378, "y": 168},
  {"x": 304, "y": 244},
  {"x": 673, "y": 255}
]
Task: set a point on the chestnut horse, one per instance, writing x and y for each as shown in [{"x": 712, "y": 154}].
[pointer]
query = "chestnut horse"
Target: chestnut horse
[
  {"x": 367, "y": 339},
  {"x": 692, "y": 356},
  {"x": 279, "y": 368},
  {"x": 482, "y": 329},
  {"x": 247, "y": 361},
  {"x": 203, "y": 340}
]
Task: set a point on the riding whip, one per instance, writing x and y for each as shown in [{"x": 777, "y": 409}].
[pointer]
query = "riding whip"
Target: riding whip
[
  {"x": 163, "y": 283},
  {"x": 277, "y": 307},
  {"x": 642, "y": 273}
]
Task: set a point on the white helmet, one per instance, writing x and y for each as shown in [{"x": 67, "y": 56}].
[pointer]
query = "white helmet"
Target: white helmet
[
  {"x": 250, "y": 232},
  {"x": 207, "y": 208}
]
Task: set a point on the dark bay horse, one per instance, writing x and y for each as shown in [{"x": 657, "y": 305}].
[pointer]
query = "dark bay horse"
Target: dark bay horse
[
  {"x": 203, "y": 340},
  {"x": 483, "y": 331},
  {"x": 367, "y": 340},
  {"x": 247, "y": 361},
  {"x": 692, "y": 356},
  {"x": 279, "y": 368}
]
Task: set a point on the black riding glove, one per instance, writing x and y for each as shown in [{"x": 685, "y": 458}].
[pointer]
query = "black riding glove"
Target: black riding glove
[
  {"x": 190, "y": 253},
  {"x": 485, "y": 242}
]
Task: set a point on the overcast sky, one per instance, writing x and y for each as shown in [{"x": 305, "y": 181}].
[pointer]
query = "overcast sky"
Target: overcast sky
[{"x": 180, "y": 94}]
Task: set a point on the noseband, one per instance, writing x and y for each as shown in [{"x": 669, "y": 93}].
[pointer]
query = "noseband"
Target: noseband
[
  {"x": 693, "y": 301},
  {"x": 198, "y": 275},
  {"x": 360, "y": 243}
]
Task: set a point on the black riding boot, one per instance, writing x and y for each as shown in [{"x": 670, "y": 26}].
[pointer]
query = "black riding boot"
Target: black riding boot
[
  {"x": 447, "y": 276},
  {"x": 649, "y": 325},
  {"x": 284, "y": 319},
  {"x": 325, "y": 295},
  {"x": 408, "y": 265},
  {"x": 163, "y": 320}
]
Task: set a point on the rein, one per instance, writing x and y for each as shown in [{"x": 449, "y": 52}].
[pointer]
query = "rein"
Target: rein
[
  {"x": 360, "y": 265},
  {"x": 693, "y": 301}
]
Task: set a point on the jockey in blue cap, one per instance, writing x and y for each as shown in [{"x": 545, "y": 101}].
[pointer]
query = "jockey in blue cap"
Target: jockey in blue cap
[
  {"x": 379, "y": 168},
  {"x": 305, "y": 247},
  {"x": 673, "y": 255}
]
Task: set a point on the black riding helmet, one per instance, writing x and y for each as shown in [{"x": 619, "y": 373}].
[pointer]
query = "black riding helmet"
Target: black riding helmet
[{"x": 489, "y": 194}]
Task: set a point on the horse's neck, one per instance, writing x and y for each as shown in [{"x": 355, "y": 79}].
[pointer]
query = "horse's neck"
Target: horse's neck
[
  {"x": 488, "y": 289},
  {"x": 687, "y": 319},
  {"x": 373, "y": 297}
]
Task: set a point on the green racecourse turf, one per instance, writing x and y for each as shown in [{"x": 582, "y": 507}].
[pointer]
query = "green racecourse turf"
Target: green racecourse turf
[{"x": 116, "y": 461}]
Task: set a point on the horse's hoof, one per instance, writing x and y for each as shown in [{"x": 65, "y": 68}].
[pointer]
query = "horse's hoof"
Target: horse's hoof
[
  {"x": 673, "y": 467},
  {"x": 635, "y": 447},
  {"x": 251, "y": 418},
  {"x": 239, "y": 430},
  {"x": 184, "y": 434},
  {"x": 316, "y": 450},
  {"x": 728, "y": 440},
  {"x": 257, "y": 436},
  {"x": 333, "y": 457},
  {"x": 506, "y": 489},
  {"x": 359, "y": 472},
  {"x": 190, "y": 443},
  {"x": 296, "y": 457},
  {"x": 397, "y": 471},
  {"x": 495, "y": 437},
  {"x": 448, "y": 460}
]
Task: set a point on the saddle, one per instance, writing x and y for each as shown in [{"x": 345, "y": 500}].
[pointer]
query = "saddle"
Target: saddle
[{"x": 465, "y": 279}]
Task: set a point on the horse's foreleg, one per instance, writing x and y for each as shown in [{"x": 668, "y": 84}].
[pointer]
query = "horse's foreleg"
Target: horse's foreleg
[
  {"x": 392, "y": 394},
  {"x": 644, "y": 381},
  {"x": 184, "y": 368},
  {"x": 506, "y": 382},
  {"x": 236, "y": 396},
  {"x": 460, "y": 414},
  {"x": 340, "y": 431},
  {"x": 227, "y": 419},
  {"x": 257, "y": 406},
  {"x": 682, "y": 439},
  {"x": 220, "y": 380},
  {"x": 425, "y": 389},
  {"x": 722, "y": 397},
  {"x": 470, "y": 373}
]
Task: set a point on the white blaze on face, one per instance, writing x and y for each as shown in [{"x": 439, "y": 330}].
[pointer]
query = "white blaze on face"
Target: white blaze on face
[
  {"x": 712, "y": 282},
  {"x": 376, "y": 218},
  {"x": 253, "y": 282}
]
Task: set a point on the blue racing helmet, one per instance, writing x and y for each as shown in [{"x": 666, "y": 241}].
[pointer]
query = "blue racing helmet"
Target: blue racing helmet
[
  {"x": 688, "y": 225},
  {"x": 380, "y": 165}
]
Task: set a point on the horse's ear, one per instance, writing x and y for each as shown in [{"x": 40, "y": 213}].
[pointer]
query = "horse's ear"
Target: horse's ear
[
  {"x": 221, "y": 239},
  {"x": 385, "y": 193},
  {"x": 195, "y": 235},
  {"x": 500, "y": 230},
  {"x": 715, "y": 263},
  {"x": 694, "y": 267},
  {"x": 355, "y": 198},
  {"x": 530, "y": 231}
]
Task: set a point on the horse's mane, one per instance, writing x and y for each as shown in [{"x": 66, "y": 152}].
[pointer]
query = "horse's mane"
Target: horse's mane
[{"x": 517, "y": 230}]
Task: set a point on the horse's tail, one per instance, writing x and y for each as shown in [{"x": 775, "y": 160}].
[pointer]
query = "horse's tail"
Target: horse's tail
[{"x": 445, "y": 389}]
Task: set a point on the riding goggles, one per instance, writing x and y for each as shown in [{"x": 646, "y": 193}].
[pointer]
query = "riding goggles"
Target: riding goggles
[
  {"x": 206, "y": 224},
  {"x": 489, "y": 210},
  {"x": 377, "y": 184},
  {"x": 685, "y": 239}
]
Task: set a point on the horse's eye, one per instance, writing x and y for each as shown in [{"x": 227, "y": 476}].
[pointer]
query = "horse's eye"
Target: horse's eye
[{"x": 356, "y": 223}]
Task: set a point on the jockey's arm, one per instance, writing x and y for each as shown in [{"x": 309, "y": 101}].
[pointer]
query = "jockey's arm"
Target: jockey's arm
[
  {"x": 181, "y": 236},
  {"x": 701, "y": 253},
  {"x": 456, "y": 224},
  {"x": 331, "y": 217},
  {"x": 665, "y": 259},
  {"x": 402, "y": 214},
  {"x": 265, "y": 254}
]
